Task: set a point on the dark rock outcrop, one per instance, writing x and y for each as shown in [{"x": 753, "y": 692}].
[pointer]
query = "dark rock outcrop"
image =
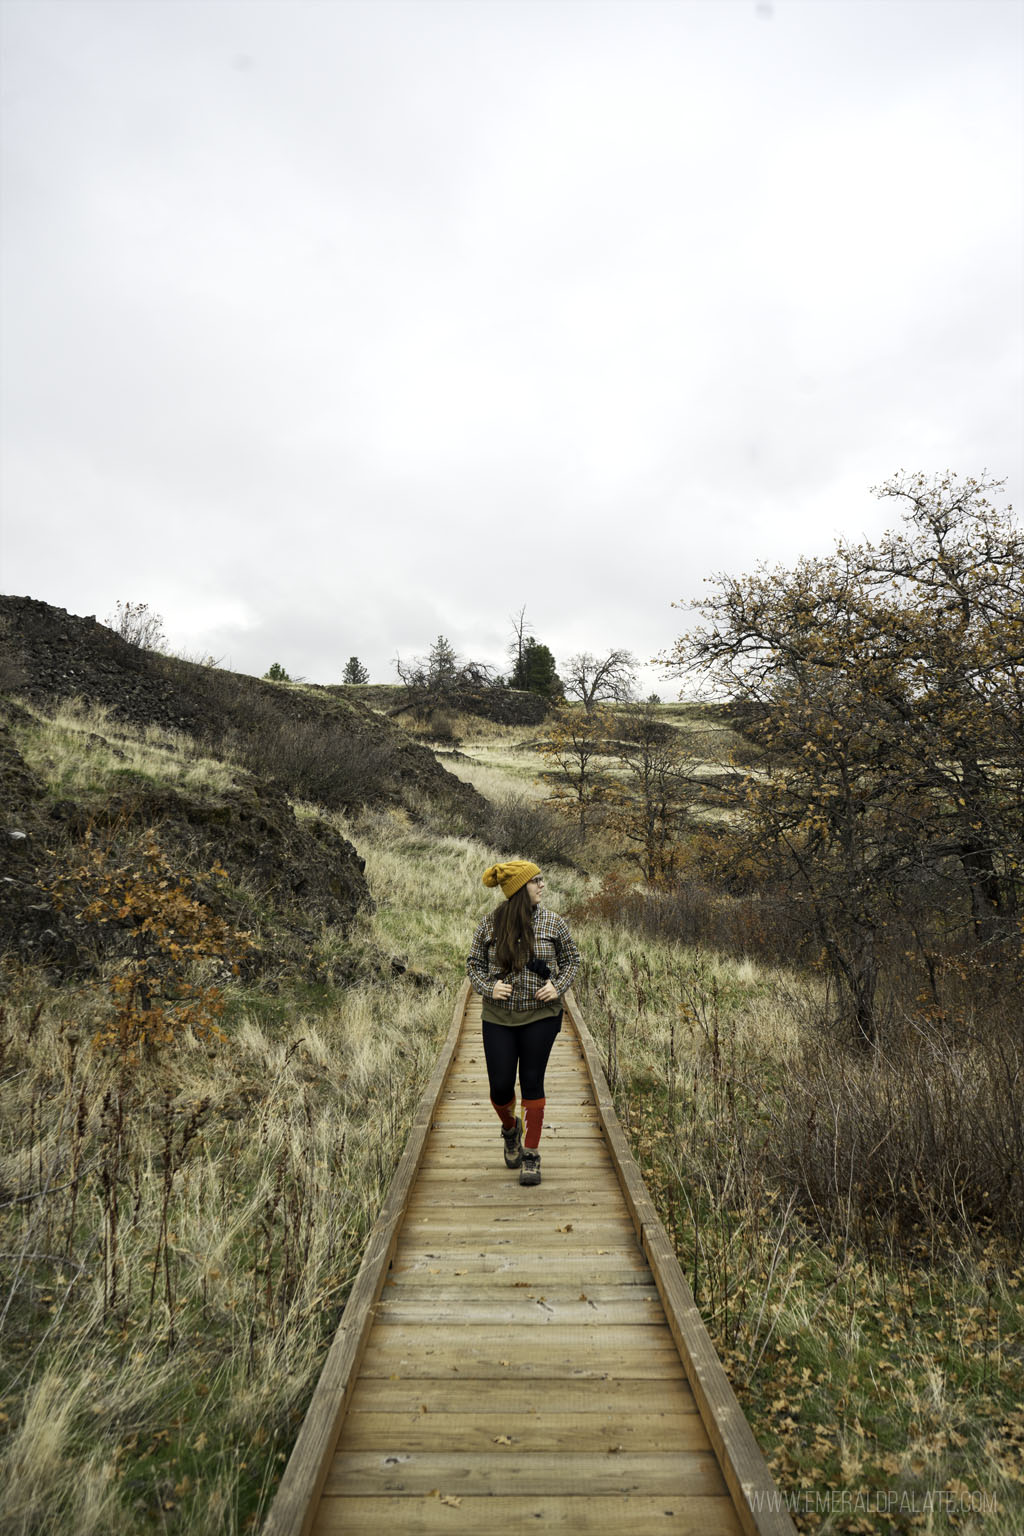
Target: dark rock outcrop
[{"x": 31, "y": 926}]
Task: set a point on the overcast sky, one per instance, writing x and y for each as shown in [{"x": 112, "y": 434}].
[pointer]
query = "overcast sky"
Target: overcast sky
[{"x": 332, "y": 325}]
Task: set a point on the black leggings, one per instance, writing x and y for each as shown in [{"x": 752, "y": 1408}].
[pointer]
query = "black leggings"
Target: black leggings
[{"x": 526, "y": 1046}]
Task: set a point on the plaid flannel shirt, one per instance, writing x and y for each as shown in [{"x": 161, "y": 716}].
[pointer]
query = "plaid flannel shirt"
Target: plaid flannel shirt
[{"x": 552, "y": 942}]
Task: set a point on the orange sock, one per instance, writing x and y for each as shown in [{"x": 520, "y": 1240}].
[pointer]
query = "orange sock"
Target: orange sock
[
  {"x": 506, "y": 1114},
  {"x": 533, "y": 1110}
]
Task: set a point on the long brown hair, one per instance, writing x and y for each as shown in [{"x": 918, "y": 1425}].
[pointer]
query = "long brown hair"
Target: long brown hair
[{"x": 513, "y": 932}]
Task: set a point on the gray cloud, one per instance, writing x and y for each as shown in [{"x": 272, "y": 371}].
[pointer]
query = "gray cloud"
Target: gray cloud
[{"x": 328, "y": 327}]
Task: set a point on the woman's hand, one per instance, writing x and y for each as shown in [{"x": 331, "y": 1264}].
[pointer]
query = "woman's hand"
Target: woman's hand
[
  {"x": 502, "y": 991},
  {"x": 547, "y": 993}
]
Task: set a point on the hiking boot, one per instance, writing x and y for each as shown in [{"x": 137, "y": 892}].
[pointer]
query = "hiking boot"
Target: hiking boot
[
  {"x": 529, "y": 1173},
  {"x": 513, "y": 1140}
]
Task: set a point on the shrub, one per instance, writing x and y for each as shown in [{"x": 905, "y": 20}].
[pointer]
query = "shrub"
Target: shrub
[
  {"x": 912, "y": 1144},
  {"x": 139, "y": 625},
  {"x": 440, "y": 727},
  {"x": 337, "y": 768},
  {"x": 167, "y": 932},
  {"x": 518, "y": 823},
  {"x": 692, "y": 913}
]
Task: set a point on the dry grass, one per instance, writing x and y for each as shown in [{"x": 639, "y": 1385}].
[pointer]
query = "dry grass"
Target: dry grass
[
  {"x": 490, "y": 767},
  {"x": 178, "y": 1239},
  {"x": 494, "y": 779},
  {"x": 78, "y": 749}
]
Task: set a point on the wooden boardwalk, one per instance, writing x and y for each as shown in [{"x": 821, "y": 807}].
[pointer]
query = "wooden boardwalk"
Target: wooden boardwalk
[{"x": 514, "y": 1359}]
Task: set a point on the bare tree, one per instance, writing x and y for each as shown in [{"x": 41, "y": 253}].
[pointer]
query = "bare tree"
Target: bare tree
[
  {"x": 517, "y": 645},
  {"x": 596, "y": 679},
  {"x": 648, "y": 806},
  {"x": 578, "y": 738}
]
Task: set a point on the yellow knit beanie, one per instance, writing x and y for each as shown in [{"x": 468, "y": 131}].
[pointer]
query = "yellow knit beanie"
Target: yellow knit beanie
[{"x": 511, "y": 876}]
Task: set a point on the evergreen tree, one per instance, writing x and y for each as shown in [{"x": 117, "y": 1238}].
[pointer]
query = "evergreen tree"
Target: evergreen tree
[
  {"x": 535, "y": 670},
  {"x": 355, "y": 672},
  {"x": 442, "y": 662},
  {"x": 275, "y": 673}
]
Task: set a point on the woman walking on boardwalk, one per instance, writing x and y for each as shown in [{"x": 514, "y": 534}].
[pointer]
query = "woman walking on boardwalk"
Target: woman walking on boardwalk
[{"x": 522, "y": 963}]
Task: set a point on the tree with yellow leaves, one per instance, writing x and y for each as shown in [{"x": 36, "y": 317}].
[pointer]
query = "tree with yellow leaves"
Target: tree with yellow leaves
[{"x": 885, "y": 687}]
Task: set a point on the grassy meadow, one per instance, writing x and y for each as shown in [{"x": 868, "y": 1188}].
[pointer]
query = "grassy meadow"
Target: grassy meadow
[{"x": 178, "y": 1232}]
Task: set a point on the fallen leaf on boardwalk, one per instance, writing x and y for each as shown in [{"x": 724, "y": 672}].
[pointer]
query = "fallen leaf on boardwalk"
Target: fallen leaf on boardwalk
[
  {"x": 502, "y": 1440},
  {"x": 583, "y": 1295},
  {"x": 612, "y": 1449},
  {"x": 452, "y": 1499},
  {"x": 566, "y": 1228},
  {"x": 424, "y": 1408},
  {"x": 504, "y": 1362},
  {"x": 462, "y": 1271}
]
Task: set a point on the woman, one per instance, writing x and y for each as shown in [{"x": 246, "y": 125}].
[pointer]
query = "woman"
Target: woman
[{"x": 522, "y": 963}]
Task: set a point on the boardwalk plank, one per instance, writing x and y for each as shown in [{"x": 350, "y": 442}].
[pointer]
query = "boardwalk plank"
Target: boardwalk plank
[
  {"x": 517, "y": 1206},
  {"x": 457, "y": 1288},
  {"x": 571, "y": 1364},
  {"x": 534, "y": 1310},
  {"x": 680, "y": 1474},
  {"x": 457, "y": 1171},
  {"x": 493, "y": 1434},
  {"x": 527, "y": 1398},
  {"x": 458, "y": 1267},
  {"x": 431, "y": 1516},
  {"x": 504, "y": 1225}
]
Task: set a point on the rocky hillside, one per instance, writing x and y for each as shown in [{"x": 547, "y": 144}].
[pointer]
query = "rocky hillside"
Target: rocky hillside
[
  {"x": 286, "y": 877},
  {"x": 314, "y": 743}
]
